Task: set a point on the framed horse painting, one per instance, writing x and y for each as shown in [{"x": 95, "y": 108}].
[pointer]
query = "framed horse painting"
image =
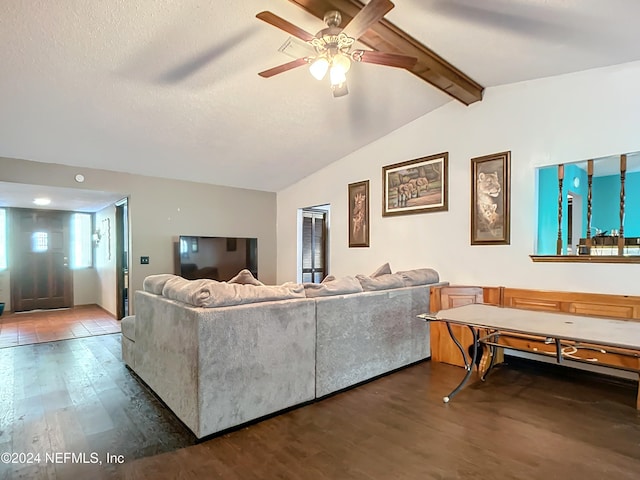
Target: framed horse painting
[{"x": 359, "y": 214}]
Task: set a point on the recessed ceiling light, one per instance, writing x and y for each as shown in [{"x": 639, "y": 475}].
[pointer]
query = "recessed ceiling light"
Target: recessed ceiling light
[
  {"x": 79, "y": 178},
  {"x": 42, "y": 201}
]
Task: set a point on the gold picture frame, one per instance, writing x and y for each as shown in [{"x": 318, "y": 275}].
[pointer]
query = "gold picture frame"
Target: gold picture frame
[
  {"x": 359, "y": 214},
  {"x": 416, "y": 186}
]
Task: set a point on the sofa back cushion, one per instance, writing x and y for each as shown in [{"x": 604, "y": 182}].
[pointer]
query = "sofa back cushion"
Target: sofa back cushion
[
  {"x": 211, "y": 293},
  {"x": 155, "y": 283},
  {"x": 419, "y": 276},
  {"x": 333, "y": 286},
  {"x": 381, "y": 282}
]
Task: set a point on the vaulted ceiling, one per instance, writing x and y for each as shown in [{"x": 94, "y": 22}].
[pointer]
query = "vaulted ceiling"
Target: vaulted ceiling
[{"x": 170, "y": 88}]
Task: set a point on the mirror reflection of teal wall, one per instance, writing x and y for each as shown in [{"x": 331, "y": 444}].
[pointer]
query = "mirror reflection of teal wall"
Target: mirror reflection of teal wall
[
  {"x": 547, "y": 210},
  {"x": 606, "y": 204},
  {"x": 605, "y": 209}
]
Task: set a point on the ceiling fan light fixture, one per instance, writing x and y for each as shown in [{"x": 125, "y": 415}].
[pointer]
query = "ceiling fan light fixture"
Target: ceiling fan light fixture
[
  {"x": 319, "y": 67},
  {"x": 337, "y": 75},
  {"x": 333, "y": 44}
]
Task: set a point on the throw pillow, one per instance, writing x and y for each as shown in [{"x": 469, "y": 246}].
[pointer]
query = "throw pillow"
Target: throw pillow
[
  {"x": 245, "y": 277},
  {"x": 382, "y": 270}
]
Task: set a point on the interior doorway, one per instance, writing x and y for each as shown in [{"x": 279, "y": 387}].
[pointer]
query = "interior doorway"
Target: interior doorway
[
  {"x": 122, "y": 258},
  {"x": 314, "y": 241},
  {"x": 40, "y": 276},
  {"x": 574, "y": 222}
]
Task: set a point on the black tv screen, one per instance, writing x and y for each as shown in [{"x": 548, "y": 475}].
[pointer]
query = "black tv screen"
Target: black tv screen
[{"x": 217, "y": 258}]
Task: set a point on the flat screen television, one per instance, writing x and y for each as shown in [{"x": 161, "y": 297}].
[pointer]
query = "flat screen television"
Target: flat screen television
[{"x": 217, "y": 258}]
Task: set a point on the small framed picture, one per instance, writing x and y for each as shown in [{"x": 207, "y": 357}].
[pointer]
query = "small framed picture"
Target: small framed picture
[
  {"x": 490, "y": 192},
  {"x": 359, "y": 214}
]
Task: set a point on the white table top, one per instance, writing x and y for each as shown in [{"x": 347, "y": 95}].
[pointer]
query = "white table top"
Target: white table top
[{"x": 596, "y": 330}]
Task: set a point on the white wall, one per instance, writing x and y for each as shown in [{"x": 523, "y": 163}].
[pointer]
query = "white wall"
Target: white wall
[
  {"x": 548, "y": 121},
  {"x": 86, "y": 287}
]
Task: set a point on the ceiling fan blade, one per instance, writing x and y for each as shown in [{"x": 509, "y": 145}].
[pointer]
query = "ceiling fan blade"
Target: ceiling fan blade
[
  {"x": 388, "y": 59},
  {"x": 283, "y": 68},
  {"x": 282, "y": 24},
  {"x": 370, "y": 14}
]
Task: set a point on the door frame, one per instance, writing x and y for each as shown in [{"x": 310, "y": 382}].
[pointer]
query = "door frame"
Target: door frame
[
  {"x": 323, "y": 210},
  {"x": 123, "y": 260}
]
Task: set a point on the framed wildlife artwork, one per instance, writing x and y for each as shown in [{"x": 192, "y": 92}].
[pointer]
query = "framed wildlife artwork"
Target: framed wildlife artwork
[
  {"x": 490, "y": 199},
  {"x": 416, "y": 186},
  {"x": 359, "y": 214}
]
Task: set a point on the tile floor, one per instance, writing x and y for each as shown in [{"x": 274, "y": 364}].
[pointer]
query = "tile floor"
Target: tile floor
[{"x": 50, "y": 325}]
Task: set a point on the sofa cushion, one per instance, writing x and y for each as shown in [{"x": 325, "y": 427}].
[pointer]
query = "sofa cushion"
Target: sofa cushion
[
  {"x": 128, "y": 327},
  {"x": 419, "y": 276},
  {"x": 339, "y": 286},
  {"x": 382, "y": 270},
  {"x": 211, "y": 293},
  {"x": 245, "y": 277},
  {"x": 381, "y": 282},
  {"x": 155, "y": 283}
]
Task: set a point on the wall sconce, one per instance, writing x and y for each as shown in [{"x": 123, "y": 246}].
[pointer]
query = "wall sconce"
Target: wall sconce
[{"x": 96, "y": 237}]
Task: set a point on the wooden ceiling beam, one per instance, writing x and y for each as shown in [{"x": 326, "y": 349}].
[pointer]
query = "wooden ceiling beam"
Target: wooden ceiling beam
[{"x": 386, "y": 37}]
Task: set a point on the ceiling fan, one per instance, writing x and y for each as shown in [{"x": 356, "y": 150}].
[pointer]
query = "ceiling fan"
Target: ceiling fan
[{"x": 333, "y": 45}]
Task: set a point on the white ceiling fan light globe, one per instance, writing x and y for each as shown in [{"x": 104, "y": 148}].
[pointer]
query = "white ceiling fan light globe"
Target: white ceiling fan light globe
[
  {"x": 337, "y": 75},
  {"x": 339, "y": 90},
  {"x": 342, "y": 61},
  {"x": 319, "y": 67}
]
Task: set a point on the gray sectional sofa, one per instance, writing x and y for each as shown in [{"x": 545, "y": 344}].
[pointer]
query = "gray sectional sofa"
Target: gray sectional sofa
[
  {"x": 254, "y": 350},
  {"x": 364, "y": 335}
]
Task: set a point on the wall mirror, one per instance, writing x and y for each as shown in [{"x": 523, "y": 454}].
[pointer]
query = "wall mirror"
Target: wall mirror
[{"x": 589, "y": 211}]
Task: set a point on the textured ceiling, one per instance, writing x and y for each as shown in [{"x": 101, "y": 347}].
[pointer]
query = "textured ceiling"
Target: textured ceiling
[
  {"x": 170, "y": 88},
  {"x": 76, "y": 200}
]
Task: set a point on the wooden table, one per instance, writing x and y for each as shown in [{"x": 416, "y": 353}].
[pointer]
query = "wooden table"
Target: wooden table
[{"x": 566, "y": 332}]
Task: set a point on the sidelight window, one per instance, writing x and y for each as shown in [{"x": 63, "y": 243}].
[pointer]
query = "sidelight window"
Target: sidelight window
[{"x": 81, "y": 238}]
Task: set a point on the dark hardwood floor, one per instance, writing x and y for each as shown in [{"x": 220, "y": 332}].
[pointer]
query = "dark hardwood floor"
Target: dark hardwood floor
[
  {"x": 524, "y": 423},
  {"x": 76, "y": 396}
]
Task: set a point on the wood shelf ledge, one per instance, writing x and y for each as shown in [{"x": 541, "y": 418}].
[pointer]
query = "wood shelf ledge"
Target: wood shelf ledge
[{"x": 585, "y": 258}]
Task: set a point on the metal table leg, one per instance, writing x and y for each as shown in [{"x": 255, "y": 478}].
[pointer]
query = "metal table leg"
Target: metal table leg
[{"x": 468, "y": 365}]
